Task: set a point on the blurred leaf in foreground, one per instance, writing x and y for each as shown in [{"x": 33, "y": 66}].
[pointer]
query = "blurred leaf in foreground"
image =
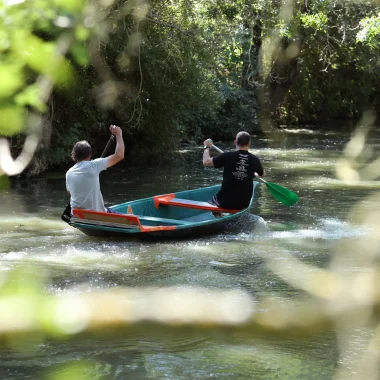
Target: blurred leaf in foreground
[
  {"x": 11, "y": 79},
  {"x": 82, "y": 370},
  {"x": 12, "y": 119}
]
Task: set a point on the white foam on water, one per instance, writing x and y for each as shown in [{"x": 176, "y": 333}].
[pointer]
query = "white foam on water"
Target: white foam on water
[
  {"x": 299, "y": 130},
  {"x": 69, "y": 256},
  {"x": 333, "y": 182},
  {"x": 33, "y": 223},
  {"x": 327, "y": 229},
  {"x": 221, "y": 264},
  {"x": 324, "y": 229},
  {"x": 12, "y": 256}
]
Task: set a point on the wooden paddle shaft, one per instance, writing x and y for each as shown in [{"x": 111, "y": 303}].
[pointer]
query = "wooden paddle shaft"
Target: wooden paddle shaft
[
  {"x": 108, "y": 145},
  {"x": 217, "y": 149},
  {"x": 259, "y": 178}
]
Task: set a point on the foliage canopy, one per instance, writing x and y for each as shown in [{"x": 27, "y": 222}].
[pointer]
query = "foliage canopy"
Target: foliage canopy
[{"x": 172, "y": 71}]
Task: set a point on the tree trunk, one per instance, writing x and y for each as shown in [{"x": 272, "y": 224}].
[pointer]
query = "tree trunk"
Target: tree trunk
[
  {"x": 251, "y": 64},
  {"x": 284, "y": 73}
]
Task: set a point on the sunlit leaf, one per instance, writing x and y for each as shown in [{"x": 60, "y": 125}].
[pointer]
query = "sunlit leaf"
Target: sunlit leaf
[
  {"x": 11, "y": 120},
  {"x": 4, "y": 42},
  {"x": 42, "y": 57},
  {"x": 82, "y": 33},
  {"x": 70, "y": 5},
  {"x": 79, "y": 370},
  {"x": 80, "y": 54},
  {"x": 31, "y": 96},
  {"x": 24, "y": 281},
  {"x": 13, "y": 2},
  {"x": 11, "y": 79},
  {"x": 369, "y": 31}
]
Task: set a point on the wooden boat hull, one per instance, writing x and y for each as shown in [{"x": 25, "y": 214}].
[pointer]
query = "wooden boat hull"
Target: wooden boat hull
[{"x": 160, "y": 221}]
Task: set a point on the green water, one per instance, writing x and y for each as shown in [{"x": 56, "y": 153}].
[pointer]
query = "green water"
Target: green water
[{"x": 31, "y": 232}]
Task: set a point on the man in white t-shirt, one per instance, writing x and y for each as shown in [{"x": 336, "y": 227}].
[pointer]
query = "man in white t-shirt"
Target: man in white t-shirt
[{"x": 82, "y": 180}]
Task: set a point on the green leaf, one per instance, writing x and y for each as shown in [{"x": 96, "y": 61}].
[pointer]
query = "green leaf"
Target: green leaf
[
  {"x": 78, "y": 370},
  {"x": 4, "y": 43},
  {"x": 24, "y": 281},
  {"x": 82, "y": 33},
  {"x": 80, "y": 54},
  {"x": 31, "y": 96},
  {"x": 42, "y": 57},
  {"x": 11, "y": 120},
  {"x": 11, "y": 79},
  {"x": 74, "y": 6}
]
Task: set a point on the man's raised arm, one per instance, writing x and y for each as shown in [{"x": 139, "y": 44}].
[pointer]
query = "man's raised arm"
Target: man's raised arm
[
  {"x": 207, "y": 160},
  {"x": 119, "y": 150}
]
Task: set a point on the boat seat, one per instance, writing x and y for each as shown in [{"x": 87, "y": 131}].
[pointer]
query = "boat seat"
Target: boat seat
[
  {"x": 163, "y": 220},
  {"x": 171, "y": 200},
  {"x": 125, "y": 220}
]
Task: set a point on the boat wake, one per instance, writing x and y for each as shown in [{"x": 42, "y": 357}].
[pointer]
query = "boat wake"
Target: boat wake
[
  {"x": 255, "y": 228},
  {"x": 325, "y": 229},
  {"x": 248, "y": 223}
]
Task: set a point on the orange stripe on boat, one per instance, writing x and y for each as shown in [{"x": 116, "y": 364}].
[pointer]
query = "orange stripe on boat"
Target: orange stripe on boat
[
  {"x": 127, "y": 219},
  {"x": 157, "y": 228},
  {"x": 107, "y": 217}
]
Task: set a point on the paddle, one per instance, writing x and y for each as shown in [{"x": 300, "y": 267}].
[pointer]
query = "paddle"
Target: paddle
[
  {"x": 282, "y": 194},
  {"x": 66, "y": 216},
  {"x": 216, "y": 148}
]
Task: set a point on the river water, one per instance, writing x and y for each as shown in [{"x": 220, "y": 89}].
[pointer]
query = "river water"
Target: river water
[{"x": 31, "y": 232}]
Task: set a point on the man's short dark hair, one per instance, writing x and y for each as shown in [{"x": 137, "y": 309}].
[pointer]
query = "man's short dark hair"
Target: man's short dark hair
[
  {"x": 81, "y": 151},
  {"x": 243, "y": 138}
]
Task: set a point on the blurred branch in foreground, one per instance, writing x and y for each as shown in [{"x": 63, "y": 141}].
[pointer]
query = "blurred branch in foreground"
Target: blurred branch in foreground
[
  {"x": 73, "y": 314},
  {"x": 28, "y": 310}
]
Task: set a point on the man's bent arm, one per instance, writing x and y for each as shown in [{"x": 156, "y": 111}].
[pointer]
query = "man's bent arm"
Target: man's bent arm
[
  {"x": 207, "y": 160},
  {"x": 119, "y": 150}
]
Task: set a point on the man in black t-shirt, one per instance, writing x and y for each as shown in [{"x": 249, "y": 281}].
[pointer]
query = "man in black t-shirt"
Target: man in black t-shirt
[{"x": 238, "y": 174}]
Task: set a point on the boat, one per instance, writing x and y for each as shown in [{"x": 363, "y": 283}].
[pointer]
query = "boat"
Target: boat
[{"x": 177, "y": 215}]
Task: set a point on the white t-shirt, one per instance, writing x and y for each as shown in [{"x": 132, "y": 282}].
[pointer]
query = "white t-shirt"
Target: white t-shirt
[{"x": 82, "y": 181}]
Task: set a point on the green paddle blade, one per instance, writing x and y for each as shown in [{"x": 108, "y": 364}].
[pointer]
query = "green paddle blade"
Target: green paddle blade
[{"x": 284, "y": 195}]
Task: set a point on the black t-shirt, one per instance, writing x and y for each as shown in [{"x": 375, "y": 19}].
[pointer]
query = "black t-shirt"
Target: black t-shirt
[{"x": 238, "y": 175}]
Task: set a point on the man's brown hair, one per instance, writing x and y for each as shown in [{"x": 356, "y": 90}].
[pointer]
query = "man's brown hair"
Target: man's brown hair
[
  {"x": 243, "y": 138},
  {"x": 81, "y": 151}
]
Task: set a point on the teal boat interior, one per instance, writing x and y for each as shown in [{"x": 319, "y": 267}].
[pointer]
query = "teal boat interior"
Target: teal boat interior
[{"x": 150, "y": 214}]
